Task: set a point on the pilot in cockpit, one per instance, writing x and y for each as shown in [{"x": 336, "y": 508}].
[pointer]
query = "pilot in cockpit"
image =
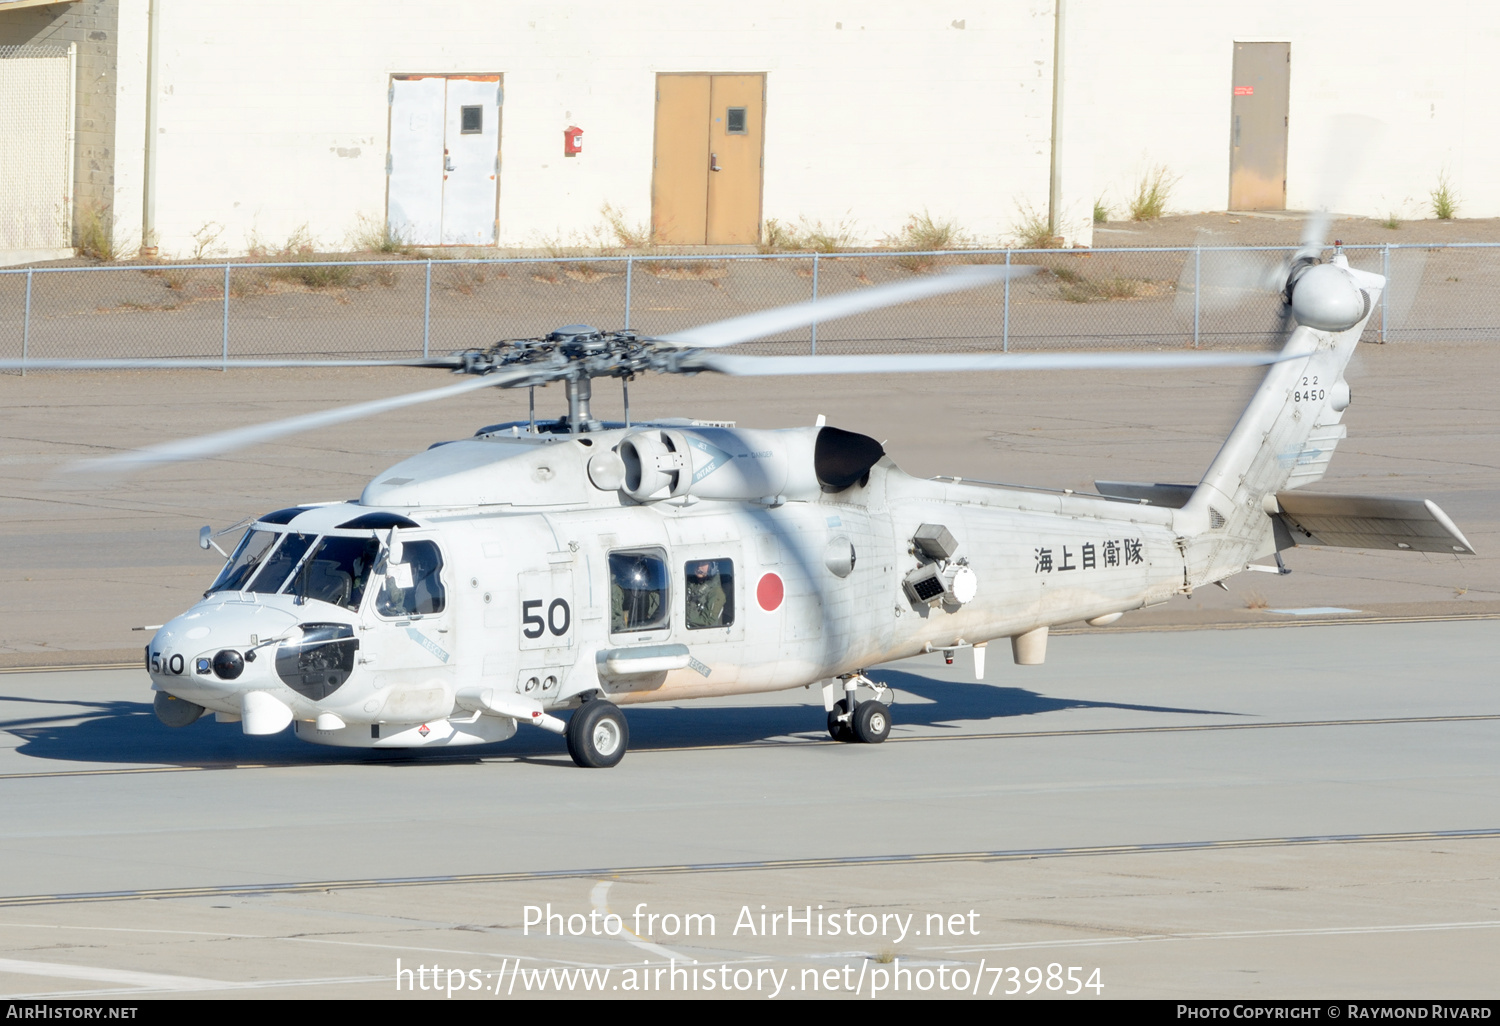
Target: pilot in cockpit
[{"x": 416, "y": 590}]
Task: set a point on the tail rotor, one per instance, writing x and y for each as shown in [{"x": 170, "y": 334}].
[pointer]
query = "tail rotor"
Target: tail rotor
[{"x": 1216, "y": 281}]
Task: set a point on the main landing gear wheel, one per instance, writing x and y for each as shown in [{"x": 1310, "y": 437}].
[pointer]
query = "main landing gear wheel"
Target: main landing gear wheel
[
  {"x": 871, "y": 722},
  {"x": 838, "y": 723},
  {"x": 598, "y": 735}
]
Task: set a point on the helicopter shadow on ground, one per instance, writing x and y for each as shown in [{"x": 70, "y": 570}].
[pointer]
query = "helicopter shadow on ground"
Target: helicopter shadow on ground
[
  {"x": 128, "y": 733},
  {"x": 918, "y": 701}
]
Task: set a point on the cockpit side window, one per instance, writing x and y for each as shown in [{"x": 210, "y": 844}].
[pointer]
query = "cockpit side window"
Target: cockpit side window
[
  {"x": 281, "y": 564},
  {"x": 337, "y": 571},
  {"x": 416, "y": 590},
  {"x": 247, "y": 559},
  {"x": 637, "y": 591}
]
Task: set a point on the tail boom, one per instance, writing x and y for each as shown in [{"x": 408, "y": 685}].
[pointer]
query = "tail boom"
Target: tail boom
[{"x": 1283, "y": 440}]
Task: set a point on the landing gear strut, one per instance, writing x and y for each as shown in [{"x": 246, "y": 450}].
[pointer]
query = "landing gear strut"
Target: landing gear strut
[{"x": 869, "y": 722}]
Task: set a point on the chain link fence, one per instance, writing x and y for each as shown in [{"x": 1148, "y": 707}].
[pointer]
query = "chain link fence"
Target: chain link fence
[{"x": 1078, "y": 299}]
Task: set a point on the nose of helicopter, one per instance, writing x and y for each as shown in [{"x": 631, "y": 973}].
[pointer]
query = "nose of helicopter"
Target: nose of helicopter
[{"x": 213, "y": 652}]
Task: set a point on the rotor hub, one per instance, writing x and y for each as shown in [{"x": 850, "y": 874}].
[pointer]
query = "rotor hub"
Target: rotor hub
[{"x": 575, "y": 354}]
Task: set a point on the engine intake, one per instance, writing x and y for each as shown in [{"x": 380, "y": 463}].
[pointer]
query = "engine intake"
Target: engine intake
[
  {"x": 654, "y": 464},
  {"x": 741, "y": 464}
]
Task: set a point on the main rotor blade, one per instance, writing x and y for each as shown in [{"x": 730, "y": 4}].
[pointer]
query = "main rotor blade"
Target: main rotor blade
[
  {"x": 921, "y": 363},
  {"x": 221, "y": 442},
  {"x": 191, "y": 363},
  {"x": 749, "y": 327}
]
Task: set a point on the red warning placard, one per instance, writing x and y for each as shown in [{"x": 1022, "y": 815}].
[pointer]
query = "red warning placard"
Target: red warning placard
[{"x": 1244, "y": 90}]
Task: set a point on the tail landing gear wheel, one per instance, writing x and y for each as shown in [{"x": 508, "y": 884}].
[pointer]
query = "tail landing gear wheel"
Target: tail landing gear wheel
[
  {"x": 598, "y": 735},
  {"x": 871, "y": 722},
  {"x": 838, "y": 728}
]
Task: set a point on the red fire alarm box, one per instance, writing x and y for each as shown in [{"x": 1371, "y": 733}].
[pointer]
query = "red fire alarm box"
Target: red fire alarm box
[{"x": 572, "y": 141}]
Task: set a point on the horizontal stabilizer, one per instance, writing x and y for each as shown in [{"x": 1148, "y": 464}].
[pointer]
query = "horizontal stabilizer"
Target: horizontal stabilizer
[
  {"x": 1365, "y": 522},
  {"x": 1172, "y": 496}
]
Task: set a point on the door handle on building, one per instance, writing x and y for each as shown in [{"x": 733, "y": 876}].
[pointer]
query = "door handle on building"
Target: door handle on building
[{"x": 713, "y": 162}]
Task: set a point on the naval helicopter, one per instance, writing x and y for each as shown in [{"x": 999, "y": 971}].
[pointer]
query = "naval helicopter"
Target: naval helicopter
[{"x": 552, "y": 573}]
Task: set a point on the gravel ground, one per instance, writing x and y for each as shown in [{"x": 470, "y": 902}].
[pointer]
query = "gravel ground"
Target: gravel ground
[
  {"x": 1083, "y": 298},
  {"x": 1285, "y": 229}
]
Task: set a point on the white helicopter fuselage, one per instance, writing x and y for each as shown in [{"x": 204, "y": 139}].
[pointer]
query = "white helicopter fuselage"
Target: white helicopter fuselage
[
  {"x": 530, "y": 615},
  {"x": 502, "y": 578}
]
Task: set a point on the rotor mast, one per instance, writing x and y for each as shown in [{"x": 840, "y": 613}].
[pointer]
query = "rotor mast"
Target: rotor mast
[{"x": 580, "y": 416}]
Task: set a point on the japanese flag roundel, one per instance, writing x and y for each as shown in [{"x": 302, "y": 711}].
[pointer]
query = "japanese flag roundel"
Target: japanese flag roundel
[{"x": 769, "y": 593}]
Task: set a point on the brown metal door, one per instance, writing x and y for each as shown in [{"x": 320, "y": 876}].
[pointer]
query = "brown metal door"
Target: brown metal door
[
  {"x": 1258, "y": 125},
  {"x": 736, "y": 106},
  {"x": 679, "y": 182},
  {"x": 706, "y": 182}
]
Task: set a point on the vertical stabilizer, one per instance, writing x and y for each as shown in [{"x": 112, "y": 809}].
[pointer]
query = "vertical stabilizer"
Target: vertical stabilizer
[{"x": 1284, "y": 439}]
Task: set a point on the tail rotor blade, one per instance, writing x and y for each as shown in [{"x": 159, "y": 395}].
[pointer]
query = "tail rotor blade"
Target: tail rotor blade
[
  {"x": 1347, "y": 142},
  {"x": 1314, "y": 233},
  {"x": 1217, "y": 279},
  {"x": 1284, "y": 324}
]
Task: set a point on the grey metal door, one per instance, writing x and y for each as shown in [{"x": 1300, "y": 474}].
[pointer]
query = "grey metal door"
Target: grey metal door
[{"x": 1258, "y": 124}]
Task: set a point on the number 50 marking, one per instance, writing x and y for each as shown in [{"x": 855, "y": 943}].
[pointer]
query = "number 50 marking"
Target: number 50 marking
[{"x": 559, "y": 618}]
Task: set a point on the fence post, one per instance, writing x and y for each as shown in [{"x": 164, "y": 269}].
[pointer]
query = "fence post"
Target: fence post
[
  {"x": 427, "y": 311},
  {"x": 629, "y": 266},
  {"x": 814, "y": 335},
  {"x": 1197, "y": 290},
  {"x": 1005, "y": 310},
  {"x": 225, "y": 339},
  {"x": 26, "y": 326},
  {"x": 1385, "y": 270}
]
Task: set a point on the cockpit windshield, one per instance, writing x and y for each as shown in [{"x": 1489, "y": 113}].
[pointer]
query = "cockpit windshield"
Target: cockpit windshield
[
  {"x": 282, "y": 562},
  {"x": 337, "y": 571},
  {"x": 245, "y": 561}
]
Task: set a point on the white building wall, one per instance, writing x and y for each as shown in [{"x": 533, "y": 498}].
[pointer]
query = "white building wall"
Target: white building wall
[
  {"x": 128, "y": 190},
  {"x": 275, "y": 117},
  {"x": 1158, "y": 78}
]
